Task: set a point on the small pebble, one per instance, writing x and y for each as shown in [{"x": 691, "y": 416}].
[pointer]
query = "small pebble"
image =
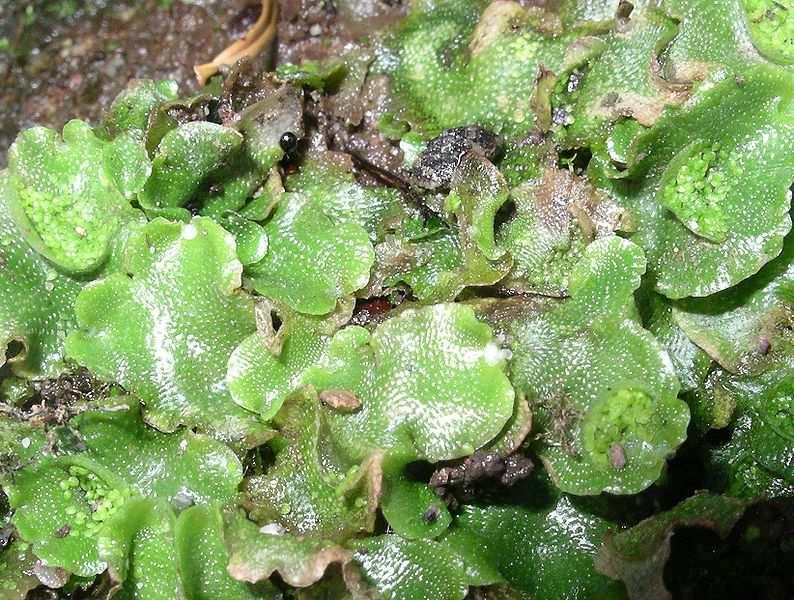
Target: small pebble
[
  {"x": 341, "y": 400},
  {"x": 617, "y": 456}
]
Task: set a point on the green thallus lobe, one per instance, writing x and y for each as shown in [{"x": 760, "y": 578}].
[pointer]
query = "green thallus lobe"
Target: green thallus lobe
[
  {"x": 620, "y": 415},
  {"x": 103, "y": 501},
  {"x": 169, "y": 310},
  {"x": 696, "y": 193},
  {"x": 80, "y": 234},
  {"x": 772, "y": 26}
]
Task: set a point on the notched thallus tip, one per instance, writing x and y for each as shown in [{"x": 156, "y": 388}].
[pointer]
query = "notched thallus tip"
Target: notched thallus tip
[{"x": 251, "y": 44}]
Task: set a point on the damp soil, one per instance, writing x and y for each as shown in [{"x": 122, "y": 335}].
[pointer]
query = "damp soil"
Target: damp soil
[
  {"x": 67, "y": 59},
  {"x": 63, "y": 59}
]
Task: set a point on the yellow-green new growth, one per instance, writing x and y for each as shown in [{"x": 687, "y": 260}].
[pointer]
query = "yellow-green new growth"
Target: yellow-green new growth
[
  {"x": 622, "y": 414},
  {"x": 103, "y": 501},
  {"x": 67, "y": 193},
  {"x": 772, "y": 25},
  {"x": 698, "y": 191},
  {"x": 60, "y": 212}
]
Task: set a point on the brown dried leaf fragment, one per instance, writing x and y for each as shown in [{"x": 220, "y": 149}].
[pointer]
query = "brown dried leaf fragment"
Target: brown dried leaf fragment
[
  {"x": 562, "y": 196},
  {"x": 556, "y": 219},
  {"x": 498, "y": 18}
]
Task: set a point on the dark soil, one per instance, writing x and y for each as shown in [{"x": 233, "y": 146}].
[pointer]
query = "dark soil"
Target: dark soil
[
  {"x": 68, "y": 59},
  {"x": 753, "y": 562},
  {"x": 481, "y": 474},
  {"x": 63, "y": 59}
]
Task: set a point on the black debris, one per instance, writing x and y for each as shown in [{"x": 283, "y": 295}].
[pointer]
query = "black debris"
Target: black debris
[{"x": 436, "y": 165}]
